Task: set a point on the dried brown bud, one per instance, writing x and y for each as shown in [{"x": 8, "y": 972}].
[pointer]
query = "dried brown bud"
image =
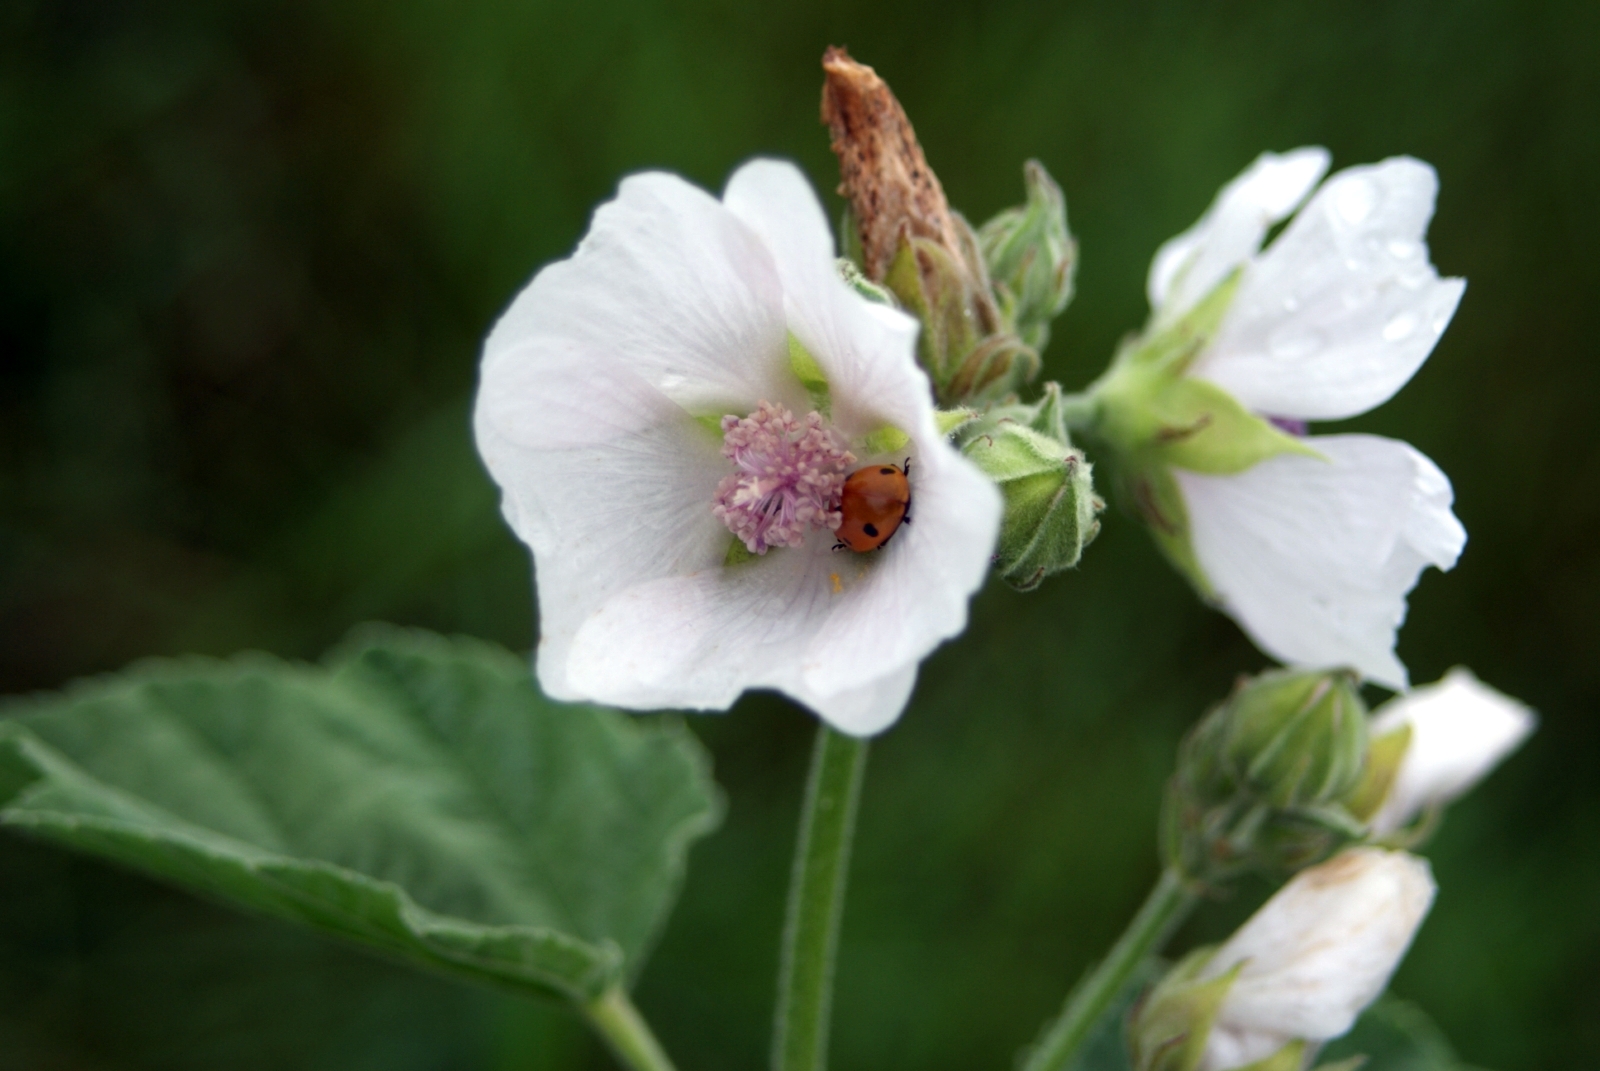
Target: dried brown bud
[{"x": 883, "y": 172}]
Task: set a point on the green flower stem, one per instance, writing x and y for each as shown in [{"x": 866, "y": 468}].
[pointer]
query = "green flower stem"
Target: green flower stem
[
  {"x": 1164, "y": 910},
  {"x": 816, "y": 902},
  {"x": 615, "y": 1019},
  {"x": 1080, "y": 411}
]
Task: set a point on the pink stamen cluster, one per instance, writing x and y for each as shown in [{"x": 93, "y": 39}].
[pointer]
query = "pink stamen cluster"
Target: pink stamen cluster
[{"x": 788, "y": 479}]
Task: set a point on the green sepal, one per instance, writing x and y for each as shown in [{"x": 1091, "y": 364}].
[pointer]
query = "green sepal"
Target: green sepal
[
  {"x": 1051, "y": 510},
  {"x": 885, "y": 440},
  {"x": 1354, "y": 1063},
  {"x": 1173, "y": 347},
  {"x": 810, "y": 374},
  {"x": 994, "y": 368},
  {"x": 1384, "y": 756},
  {"x": 857, "y": 281},
  {"x": 1291, "y": 1057},
  {"x": 1202, "y": 428},
  {"x": 1155, "y": 495},
  {"x": 950, "y": 421},
  {"x": 1153, "y": 415},
  {"x": 850, "y": 237},
  {"x": 1031, "y": 257},
  {"x": 1170, "y": 1029},
  {"x": 933, "y": 287},
  {"x": 963, "y": 346},
  {"x": 1261, "y": 779}
]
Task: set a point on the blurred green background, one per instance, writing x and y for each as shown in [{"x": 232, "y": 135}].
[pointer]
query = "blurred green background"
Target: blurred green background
[{"x": 248, "y": 249}]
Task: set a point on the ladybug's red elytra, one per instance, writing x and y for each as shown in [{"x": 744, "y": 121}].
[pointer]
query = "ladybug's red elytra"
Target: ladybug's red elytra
[{"x": 874, "y": 504}]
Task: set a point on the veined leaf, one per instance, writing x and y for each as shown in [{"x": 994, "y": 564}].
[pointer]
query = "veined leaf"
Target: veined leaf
[{"x": 414, "y": 794}]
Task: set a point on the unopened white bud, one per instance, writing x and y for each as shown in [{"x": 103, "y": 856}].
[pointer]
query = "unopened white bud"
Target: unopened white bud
[
  {"x": 1460, "y": 730},
  {"x": 1316, "y": 954}
]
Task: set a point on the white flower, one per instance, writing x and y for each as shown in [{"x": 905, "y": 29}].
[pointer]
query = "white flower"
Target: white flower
[
  {"x": 1314, "y": 556},
  {"x": 630, "y": 403},
  {"x": 1316, "y": 954},
  {"x": 1460, "y": 730}
]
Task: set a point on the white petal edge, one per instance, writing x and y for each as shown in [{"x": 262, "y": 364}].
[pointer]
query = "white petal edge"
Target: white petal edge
[
  {"x": 1460, "y": 730},
  {"x": 1344, "y": 307},
  {"x": 1314, "y": 558},
  {"x": 669, "y": 301},
  {"x": 1323, "y": 947},
  {"x": 669, "y": 284},
  {"x": 1230, "y": 231}
]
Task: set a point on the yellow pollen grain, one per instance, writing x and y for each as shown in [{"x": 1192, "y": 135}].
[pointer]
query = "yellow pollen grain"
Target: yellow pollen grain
[{"x": 837, "y": 586}]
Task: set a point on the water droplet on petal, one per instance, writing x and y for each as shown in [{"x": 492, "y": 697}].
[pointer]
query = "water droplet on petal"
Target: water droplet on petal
[
  {"x": 1291, "y": 303},
  {"x": 1354, "y": 199},
  {"x": 1402, "y": 326},
  {"x": 1359, "y": 296},
  {"x": 1293, "y": 342}
]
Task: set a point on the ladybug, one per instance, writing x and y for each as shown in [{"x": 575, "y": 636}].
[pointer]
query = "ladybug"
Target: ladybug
[{"x": 875, "y": 502}]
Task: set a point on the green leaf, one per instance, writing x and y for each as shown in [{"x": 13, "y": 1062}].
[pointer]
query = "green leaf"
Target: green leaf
[
  {"x": 416, "y": 795},
  {"x": 1394, "y": 1035}
]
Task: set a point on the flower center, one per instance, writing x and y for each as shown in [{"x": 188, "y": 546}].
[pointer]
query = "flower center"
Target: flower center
[{"x": 788, "y": 476}]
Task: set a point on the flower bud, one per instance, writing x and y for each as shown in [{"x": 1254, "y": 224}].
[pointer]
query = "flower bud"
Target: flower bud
[
  {"x": 1261, "y": 779},
  {"x": 1432, "y": 745},
  {"x": 1032, "y": 257},
  {"x": 1050, "y": 505},
  {"x": 908, "y": 239},
  {"x": 1318, "y": 952}
]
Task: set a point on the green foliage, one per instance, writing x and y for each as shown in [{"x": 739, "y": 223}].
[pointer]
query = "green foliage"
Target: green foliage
[{"x": 414, "y": 794}]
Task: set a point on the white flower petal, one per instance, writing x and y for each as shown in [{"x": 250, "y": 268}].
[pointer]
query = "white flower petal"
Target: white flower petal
[
  {"x": 867, "y": 351},
  {"x": 1314, "y": 558},
  {"x": 1228, "y": 1047},
  {"x": 1460, "y": 730},
  {"x": 603, "y": 517},
  {"x": 1189, "y": 266},
  {"x": 675, "y": 307},
  {"x": 669, "y": 302},
  {"x": 1322, "y": 948},
  {"x": 1343, "y": 308},
  {"x": 673, "y": 286},
  {"x": 697, "y": 641},
  {"x": 840, "y": 632}
]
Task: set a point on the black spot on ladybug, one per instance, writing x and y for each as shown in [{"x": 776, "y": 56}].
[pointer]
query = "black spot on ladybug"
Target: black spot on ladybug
[
  {"x": 870, "y": 529},
  {"x": 886, "y": 472}
]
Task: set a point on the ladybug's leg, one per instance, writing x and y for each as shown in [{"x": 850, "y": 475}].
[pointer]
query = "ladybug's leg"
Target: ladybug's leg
[{"x": 841, "y": 545}]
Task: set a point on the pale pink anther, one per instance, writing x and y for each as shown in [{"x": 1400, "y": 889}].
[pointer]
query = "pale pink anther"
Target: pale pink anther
[{"x": 788, "y": 477}]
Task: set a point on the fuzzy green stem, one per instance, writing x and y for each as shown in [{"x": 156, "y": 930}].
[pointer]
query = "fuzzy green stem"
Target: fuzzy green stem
[
  {"x": 1080, "y": 412},
  {"x": 1164, "y": 910},
  {"x": 816, "y": 902},
  {"x": 614, "y": 1018}
]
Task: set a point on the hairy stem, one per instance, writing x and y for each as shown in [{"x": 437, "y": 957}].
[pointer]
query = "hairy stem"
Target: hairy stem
[
  {"x": 614, "y": 1018},
  {"x": 816, "y": 902},
  {"x": 1164, "y": 910}
]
